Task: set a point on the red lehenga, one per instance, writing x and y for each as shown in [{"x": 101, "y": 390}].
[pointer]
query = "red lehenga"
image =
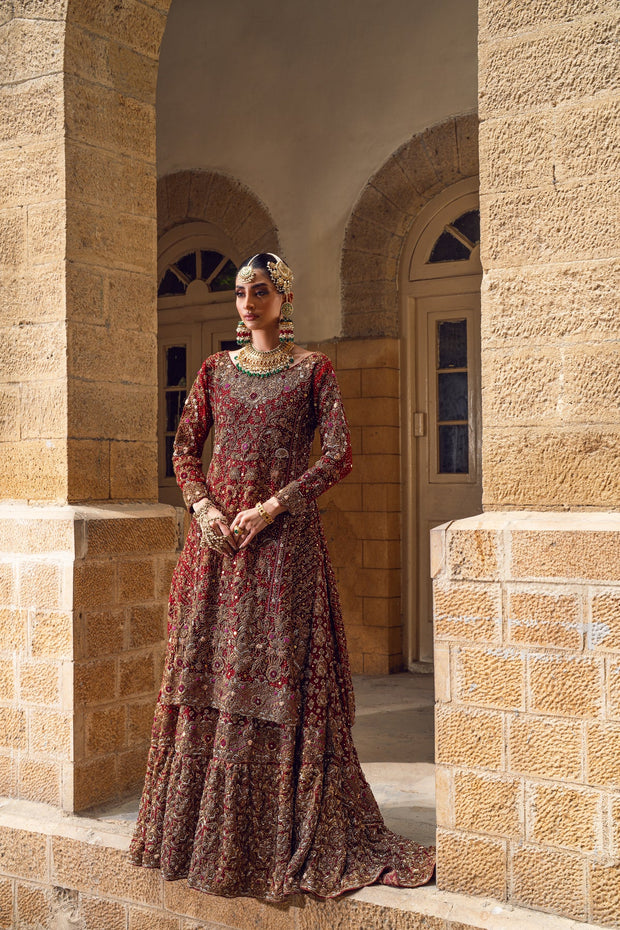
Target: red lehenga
[{"x": 253, "y": 784}]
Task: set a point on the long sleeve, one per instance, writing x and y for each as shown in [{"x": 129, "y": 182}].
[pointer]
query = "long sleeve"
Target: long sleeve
[
  {"x": 335, "y": 461},
  {"x": 194, "y": 427}
]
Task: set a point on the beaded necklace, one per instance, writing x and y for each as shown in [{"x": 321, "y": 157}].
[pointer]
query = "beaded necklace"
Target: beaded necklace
[{"x": 252, "y": 361}]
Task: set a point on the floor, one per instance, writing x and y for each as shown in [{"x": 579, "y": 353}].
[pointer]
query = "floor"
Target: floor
[{"x": 394, "y": 738}]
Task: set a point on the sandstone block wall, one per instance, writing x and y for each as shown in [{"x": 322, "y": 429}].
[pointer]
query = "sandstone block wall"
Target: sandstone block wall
[
  {"x": 82, "y": 631},
  {"x": 550, "y": 211},
  {"x": 527, "y": 645},
  {"x": 362, "y": 514}
]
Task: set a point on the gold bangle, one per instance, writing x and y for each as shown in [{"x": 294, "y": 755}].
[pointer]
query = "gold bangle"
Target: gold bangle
[{"x": 264, "y": 513}]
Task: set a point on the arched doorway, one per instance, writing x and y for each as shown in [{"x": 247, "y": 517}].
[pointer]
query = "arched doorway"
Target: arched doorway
[
  {"x": 196, "y": 314},
  {"x": 440, "y": 276}
]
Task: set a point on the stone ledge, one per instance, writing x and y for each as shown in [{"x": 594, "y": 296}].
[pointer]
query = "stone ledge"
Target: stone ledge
[{"x": 103, "y": 845}]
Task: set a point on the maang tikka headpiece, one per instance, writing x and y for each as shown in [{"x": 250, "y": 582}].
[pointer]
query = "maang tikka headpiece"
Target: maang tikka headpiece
[{"x": 282, "y": 279}]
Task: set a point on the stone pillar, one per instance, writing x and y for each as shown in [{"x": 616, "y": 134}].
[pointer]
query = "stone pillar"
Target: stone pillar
[
  {"x": 86, "y": 550},
  {"x": 527, "y": 596}
]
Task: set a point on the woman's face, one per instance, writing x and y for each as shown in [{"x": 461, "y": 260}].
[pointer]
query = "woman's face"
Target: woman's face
[{"x": 258, "y": 302}]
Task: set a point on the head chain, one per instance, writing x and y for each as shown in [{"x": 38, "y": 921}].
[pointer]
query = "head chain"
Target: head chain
[{"x": 279, "y": 272}]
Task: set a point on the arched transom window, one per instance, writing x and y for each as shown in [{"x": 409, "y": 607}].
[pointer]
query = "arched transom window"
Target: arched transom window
[{"x": 204, "y": 267}]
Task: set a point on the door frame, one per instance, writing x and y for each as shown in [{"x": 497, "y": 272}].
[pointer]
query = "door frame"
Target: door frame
[{"x": 417, "y": 281}]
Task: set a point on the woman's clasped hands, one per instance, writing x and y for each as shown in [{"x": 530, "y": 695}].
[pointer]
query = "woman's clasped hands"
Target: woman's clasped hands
[{"x": 227, "y": 538}]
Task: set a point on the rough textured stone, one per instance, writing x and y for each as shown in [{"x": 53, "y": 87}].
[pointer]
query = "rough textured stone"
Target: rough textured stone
[
  {"x": 526, "y": 147},
  {"x": 473, "y": 554},
  {"x": 566, "y": 553},
  {"x": 545, "y": 617},
  {"x": 104, "y": 871},
  {"x": 605, "y": 893},
  {"x": 128, "y": 415},
  {"x": 23, "y": 853},
  {"x": 133, "y": 471},
  {"x": 471, "y": 864},
  {"x": 469, "y": 737},
  {"x": 500, "y": 18},
  {"x": 543, "y": 469},
  {"x": 101, "y": 353},
  {"x": 565, "y": 686},
  {"x": 603, "y": 754},
  {"x": 467, "y": 611},
  {"x": 522, "y": 386},
  {"x": 491, "y": 677},
  {"x": 545, "y": 747},
  {"x": 488, "y": 804},
  {"x": 549, "y": 880},
  {"x": 567, "y": 817}
]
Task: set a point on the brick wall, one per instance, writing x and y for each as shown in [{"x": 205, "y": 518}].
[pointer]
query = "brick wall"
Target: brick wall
[
  {"x": 527, "y": 612},
  {"x": 362, "y": 514}
]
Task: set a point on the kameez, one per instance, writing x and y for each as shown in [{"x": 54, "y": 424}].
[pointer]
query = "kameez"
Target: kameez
[{"x": 253, "y": 784}]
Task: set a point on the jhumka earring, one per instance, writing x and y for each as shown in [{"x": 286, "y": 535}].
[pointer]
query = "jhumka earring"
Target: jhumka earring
[
  {"x": 287, "y": 333},
  {"x": 244, "y": 336}
]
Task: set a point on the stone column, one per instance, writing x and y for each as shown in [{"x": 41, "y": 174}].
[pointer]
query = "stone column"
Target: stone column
[
  {"x": 527, "y": 596},
  {"x": 86, "y": 551}
]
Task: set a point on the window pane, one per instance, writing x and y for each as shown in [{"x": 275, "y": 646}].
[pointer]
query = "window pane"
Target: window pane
[
  {"x": 452, "y": 395},
  {"x": 452, "y": 344},
  {"x": 169, "y": 448},
  {"x": 175, "y": 366},
  {"x": 187, "y": 265},
  {"x": 469, "y": 225},
  {"x": 225, "y": 280},
  {"x": 453, "y": 450},
  {"x": 448, "y": 249},
  {"x": 210, "y": 261},
  {"x": 228, "y": 345},
  {"x": 174, "y": 407},
  {"x": 170, "y": 285}
]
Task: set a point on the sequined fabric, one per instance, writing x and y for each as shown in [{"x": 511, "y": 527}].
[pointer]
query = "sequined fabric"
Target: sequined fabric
[{"x": 253, "y": 785}]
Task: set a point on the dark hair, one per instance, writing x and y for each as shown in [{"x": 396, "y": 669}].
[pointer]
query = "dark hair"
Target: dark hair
[{"x": 259, "y": 262}]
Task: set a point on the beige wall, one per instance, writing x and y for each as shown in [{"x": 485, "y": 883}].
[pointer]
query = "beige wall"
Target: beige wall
[{"x": 339, "y": 87}]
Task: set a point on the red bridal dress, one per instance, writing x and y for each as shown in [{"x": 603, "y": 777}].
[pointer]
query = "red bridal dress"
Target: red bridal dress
[{"x": 253, "y": 784}]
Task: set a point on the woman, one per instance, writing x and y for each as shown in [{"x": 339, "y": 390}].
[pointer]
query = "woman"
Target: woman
[{"x": 253, "y": 784}]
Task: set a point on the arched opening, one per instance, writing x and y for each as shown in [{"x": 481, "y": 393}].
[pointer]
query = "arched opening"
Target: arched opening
[{"x": 440, "y": 276}]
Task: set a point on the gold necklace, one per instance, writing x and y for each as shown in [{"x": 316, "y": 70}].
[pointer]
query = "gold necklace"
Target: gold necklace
[{"x": 252, "y": 361}]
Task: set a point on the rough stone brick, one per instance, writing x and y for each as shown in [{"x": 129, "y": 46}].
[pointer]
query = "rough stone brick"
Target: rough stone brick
[
  {"x": 381, "y": 555},
  {"x": 97, "y": 913},
  {"x": 509, "y": 220},
  {"x": 132, "y": 769},
  {"x": 13, "y": 627},
  {"x": 106, "y": 119},
  {"x": 33, "y": 470},
  {"x": 31, "y": 174},
  {"x": 31, "y": 110},
  {"x": 140, "y": 919},
  {"x": 35, "y": 49},
  {"x": 522, "y": 386},
  {"x": 381, "y": 611},
  {"x": 586, "y": 140},
  {"x": 473, "y": 554},
  {"x": 605, "y": 893},
  {"x": 94, "y": 782},
  {"x": 545, "y": 617},
  {"x": 591, "y": 385},
  {"x": 547, "y": 69},
  {"x": 88, "y": 465},
  {"x": 467, "y": 610},
  {"x": 568, "y": 686},
  {"x": 47, "y": 229},
  {"x": 373, "y": 411},
  {"x": 140, "y": 721},
  {"x": 613, "y": 689},
  {"x": 135, "y": 534},
  {"x": 106, "y": 730},
  {"x": 7, "y": 679},
  {"x": 488, "y": 804},
  {"x": 603, "y": 754},
  {"x": 416, "y": 160},
  {"x": 133, "y": 470},
  {"x": 94, "y": 583},
  {"x": 136, "y": 580},
  {"x": 50, "y": 733},
  {"x": 33, "y": 352},
  {"x": 95, "y": 682},
  {"x": 500, "y": 18},
  {"x": 548, "y": 303},
  {"x": 380, "y": 382},
  {"x": 549, "y": 880},
  {"x": 103, "y": 871},
  {"x": 12, "y": 728},
  {"x": 35, "y": 906},
  {"x": 469, "y": 737},
  {"x": 40, "y": 781},
  {"x": 137, "y": 674},
  {"x": 98, "y": 353},
  {"x": 12, "y": 238},
  {"x": 240, "y": 913},
  {"x": 99, "y": 236},
  {"x": 492, "y": 677},
  {"x": 558, "y": 815},
  {"x": 147, "y": 625},
  {"x": 368, "y": 353},
  {"x": 545, "y": 747},
  {"x": 441, "y": 145},
  {"x": 144, "y": 23},
  {"x": 520, "y": 152},
  {"x": 39, "y": 682},
  {"x": 128, "y": 415},
  {"x": 384, "y": 441},
  {"x": 566, "y": 554},
  {"x": 604, "y": 631},
  {"x": 9, "y": 413},
  {"x": 23, "y": 853},
  {"x": 471, "y": 864},
  {"x": 104, "y": 633},
  {"x": 43, "y": 410}
]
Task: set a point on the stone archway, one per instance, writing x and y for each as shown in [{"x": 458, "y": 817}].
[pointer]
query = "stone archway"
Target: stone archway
[
  {"x": 219, "y": 199},
  {"x": 385, "y": 212}
]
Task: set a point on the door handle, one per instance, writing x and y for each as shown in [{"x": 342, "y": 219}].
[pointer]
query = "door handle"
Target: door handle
[{"x": 419, "y": 424}]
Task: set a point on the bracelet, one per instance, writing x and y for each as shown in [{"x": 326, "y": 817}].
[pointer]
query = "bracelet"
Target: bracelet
[{"x": 264, "y": 513}]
